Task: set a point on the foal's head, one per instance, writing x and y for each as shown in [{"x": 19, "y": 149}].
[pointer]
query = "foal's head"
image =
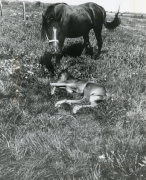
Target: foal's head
[{"x": 64, "y": 76}]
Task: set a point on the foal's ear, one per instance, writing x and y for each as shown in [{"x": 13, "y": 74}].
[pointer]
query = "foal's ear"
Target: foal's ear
[{"x": 64, "y": 67}]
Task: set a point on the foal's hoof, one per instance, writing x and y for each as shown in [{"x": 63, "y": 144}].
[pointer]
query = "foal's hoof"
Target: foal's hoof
[
  {"x": 75, "y": 109},
  {"x": 57, "y": 104}
]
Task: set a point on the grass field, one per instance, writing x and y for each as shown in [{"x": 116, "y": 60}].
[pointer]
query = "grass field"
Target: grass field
[{"x": 41, "y": 142}]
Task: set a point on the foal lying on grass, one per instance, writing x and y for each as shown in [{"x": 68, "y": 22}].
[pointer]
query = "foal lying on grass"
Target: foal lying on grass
[{"x": 91, "y": 91}]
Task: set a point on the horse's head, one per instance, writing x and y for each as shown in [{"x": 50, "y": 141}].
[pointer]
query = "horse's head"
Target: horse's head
[{"x": 51, "y": 28}]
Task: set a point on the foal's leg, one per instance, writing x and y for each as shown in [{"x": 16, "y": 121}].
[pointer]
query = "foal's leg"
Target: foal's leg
[
  {"x": 69, "y": 102},
  {"x": 97, "y": 31},
  {"x": 93, "y": 100},
  {"x": 53, "y": 90},
  {"x": 78, "y": 107}
]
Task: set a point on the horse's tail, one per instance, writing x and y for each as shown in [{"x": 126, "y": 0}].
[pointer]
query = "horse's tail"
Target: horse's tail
[{"x": 113, "y": 24}]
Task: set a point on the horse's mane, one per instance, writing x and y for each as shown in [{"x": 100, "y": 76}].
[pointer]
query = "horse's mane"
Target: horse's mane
[{"x": 51, "y": 7}]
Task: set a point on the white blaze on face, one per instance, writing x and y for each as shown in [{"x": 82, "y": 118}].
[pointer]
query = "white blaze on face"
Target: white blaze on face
[{"x": 55, "y": 38}]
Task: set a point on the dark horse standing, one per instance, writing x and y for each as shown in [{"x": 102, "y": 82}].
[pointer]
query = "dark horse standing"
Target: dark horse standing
[{"x": 62, "y": 21}]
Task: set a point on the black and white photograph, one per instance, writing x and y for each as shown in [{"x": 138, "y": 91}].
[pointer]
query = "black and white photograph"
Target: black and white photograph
[{"x": 72, "y": 90}]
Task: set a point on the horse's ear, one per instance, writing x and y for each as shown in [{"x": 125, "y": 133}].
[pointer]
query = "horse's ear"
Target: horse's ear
[
  {"x": 43, "y": 17},
  {"x": 44, "y": 26}
]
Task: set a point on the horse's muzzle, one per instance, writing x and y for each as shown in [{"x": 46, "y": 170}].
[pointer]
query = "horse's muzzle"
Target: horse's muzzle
[
  {"x": 54, "y": 48},
  {"x": 55, "y": 52}
]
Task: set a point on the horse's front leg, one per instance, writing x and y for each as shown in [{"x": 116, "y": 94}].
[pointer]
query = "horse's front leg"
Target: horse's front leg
[
  {"x": 60, "y": 54},
  {"x": 88, "y": 49}
]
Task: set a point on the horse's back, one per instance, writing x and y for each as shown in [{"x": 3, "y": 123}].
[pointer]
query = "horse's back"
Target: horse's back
[
  {"x": 89, "y": 12},
  {"x": 76, "y": 20},
  {"x": 79, "y": 20}
]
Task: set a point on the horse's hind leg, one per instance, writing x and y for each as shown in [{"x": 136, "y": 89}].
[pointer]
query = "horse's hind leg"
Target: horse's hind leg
[
  {"x": 97, "y": 31},
  {"x": 86, "y": 40}
]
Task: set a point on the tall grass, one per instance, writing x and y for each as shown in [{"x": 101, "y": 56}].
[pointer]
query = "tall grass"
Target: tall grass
[{"x": 41, "y": 142}]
